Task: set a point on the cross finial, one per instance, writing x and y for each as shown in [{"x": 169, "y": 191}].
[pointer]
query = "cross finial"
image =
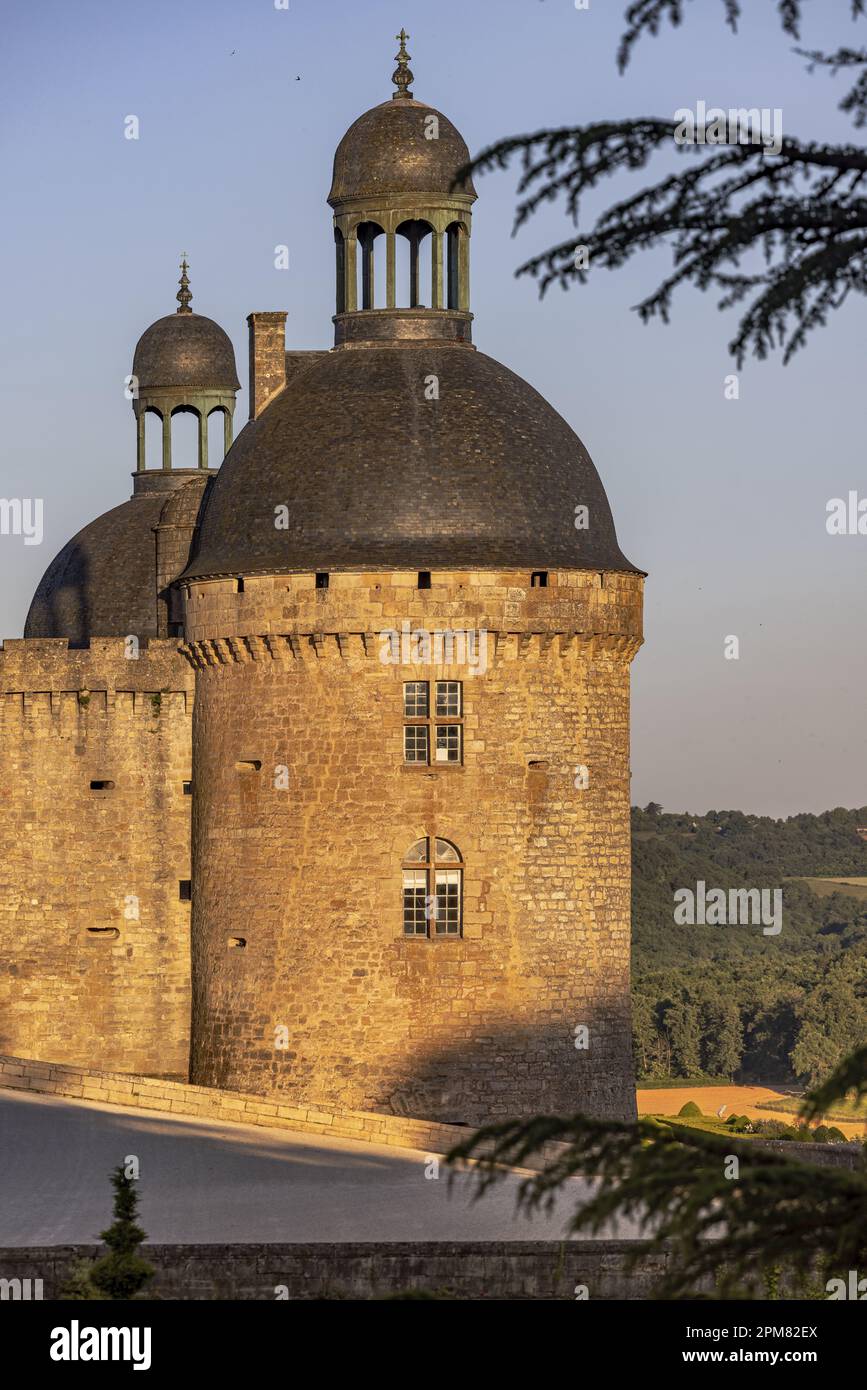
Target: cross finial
[
  {"x": 183, "y": 295},
  {"x": 402, "y": 77}
]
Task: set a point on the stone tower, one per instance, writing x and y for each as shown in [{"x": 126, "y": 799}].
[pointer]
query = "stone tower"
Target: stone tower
[
  {"x": 412, "y": 627},
  {"x": 95, "y": 754}
]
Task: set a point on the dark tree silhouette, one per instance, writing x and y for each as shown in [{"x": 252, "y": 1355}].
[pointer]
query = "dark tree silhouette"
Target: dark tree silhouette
[
  {"x": 732, "y": 1232},
  {"x": 783, "y": 234}
]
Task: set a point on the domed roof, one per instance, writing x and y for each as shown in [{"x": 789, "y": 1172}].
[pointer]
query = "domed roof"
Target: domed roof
[
  {"x": 185, "y": 349},
  {"x": 103, "y": 583},
  {"x": 387, "y": 151},
  {"x": 374, "y": 475}
]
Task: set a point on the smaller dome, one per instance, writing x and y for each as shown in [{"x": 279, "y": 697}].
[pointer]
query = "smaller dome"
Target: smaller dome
[
  {"x": 185, "y": 349},
  {"x": 387, "y": 151}
]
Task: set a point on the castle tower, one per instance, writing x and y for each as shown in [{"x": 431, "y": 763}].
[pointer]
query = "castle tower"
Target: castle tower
[
  {"x": 95, "y": 759},
  {"x": 412, "y": 627},
  {"x": 114, "y": 577},
  {"x": 183, "y": 363}
]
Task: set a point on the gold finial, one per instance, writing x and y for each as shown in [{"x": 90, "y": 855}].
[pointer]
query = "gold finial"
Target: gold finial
[
  {"x": 183, "y": 295},
  {"x": 401, "y": 77}
]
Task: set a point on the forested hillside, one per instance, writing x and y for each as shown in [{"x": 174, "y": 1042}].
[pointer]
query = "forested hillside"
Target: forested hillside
[{"x": 728, "y": 1001}]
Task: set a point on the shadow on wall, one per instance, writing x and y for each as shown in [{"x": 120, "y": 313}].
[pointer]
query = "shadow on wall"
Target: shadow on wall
[
  {"x": 562, "y": 1068},
  {"x": 491, "y": 1071}
]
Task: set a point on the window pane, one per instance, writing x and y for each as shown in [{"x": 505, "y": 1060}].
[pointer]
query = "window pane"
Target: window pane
[
  {"x": 415, "y": 700},
  {"x": 415, "y": 743},
  {"x": 447, "y": 852},
  {"x": 448, "y": 697},
  {"x": 414, "y": 896},
  {"x": 448, "y": 896},
  {"x": 448, "y": 743},
  {"x": 418, "y": 853}
]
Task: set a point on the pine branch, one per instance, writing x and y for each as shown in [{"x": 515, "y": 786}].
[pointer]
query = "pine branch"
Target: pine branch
[
  {"x": 800, "y": 210},
  {"x": 731, "y": 1231}
]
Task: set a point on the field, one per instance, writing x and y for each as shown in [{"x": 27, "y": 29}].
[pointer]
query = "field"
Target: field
[
  {"x": 754, "y": 1101},
  {"x": 852, "y": 886},
  {"x": 843, "y": 1110}
]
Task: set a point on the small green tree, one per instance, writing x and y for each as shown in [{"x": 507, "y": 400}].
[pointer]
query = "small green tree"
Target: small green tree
[{"x": 121, "y": 1273}]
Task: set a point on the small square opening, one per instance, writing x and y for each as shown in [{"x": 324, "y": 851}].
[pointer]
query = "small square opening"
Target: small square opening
[
  {"x": 322, "y": 579},
  {"x": 424, "y": 579},
  {"x": 185, "y": 890},
  {"x": 101, "y": 785},
  {"x": 539, "y": 579}
]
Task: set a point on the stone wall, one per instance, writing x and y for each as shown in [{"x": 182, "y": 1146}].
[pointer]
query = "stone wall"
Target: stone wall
[
  {"x": 94, "y": 936},
  {"x": 471, "y": 1270},
  {"x": 304, "y": 983},
  {"x": 205, "y": 1102},
  {"x": 271, "y": 1112}
]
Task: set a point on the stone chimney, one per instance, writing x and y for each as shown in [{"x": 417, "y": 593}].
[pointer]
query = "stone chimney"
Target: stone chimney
[{"x": 267, "y": 358}]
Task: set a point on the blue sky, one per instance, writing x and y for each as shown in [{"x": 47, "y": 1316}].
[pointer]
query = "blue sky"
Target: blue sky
[{"x": 240, "y": 108}]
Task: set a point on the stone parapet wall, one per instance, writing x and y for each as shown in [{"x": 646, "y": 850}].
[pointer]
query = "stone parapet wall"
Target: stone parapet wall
[
  {"x": 153, "y": 1093},
  {"x": 471, "y": 1270},
  {"x": 574, "y": 603}
]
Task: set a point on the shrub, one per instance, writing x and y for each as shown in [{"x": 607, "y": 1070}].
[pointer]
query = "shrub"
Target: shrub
[{"x": 689, "y": 1111}]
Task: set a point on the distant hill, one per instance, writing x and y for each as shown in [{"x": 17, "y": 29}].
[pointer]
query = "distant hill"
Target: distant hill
[{"x": 727, "y": 1000}]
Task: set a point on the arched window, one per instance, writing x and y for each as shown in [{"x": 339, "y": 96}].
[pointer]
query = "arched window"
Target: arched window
[{"x": 432, "y": 889}]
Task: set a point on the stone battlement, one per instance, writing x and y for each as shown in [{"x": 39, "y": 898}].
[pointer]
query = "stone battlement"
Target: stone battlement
[
  {"x": 51, "y": 667},
  {"x": 569, "y": 603}
]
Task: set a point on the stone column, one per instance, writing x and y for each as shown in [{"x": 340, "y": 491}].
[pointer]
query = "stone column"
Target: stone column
[
  {"x": 227, "y": 431},
  {"x": 167, "y": 437},
  {"x": 351, "y": 274},
  {"x": 203, "y": 439},
  {"x": 389, "y": 270},
  {"x": 140, "y": 441},
  {"x": 436, "y": 268},
  {"x": 464, "y": 274}
]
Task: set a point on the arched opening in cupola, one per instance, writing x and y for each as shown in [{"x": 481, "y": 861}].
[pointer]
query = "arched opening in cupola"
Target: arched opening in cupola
[
  {"x": 414, "y": 247},
  {"x": 216, "y": 426},
  {"x": 370, "y": 265},
  {"x": 455, "y": 266},
  {"x": 153, "y": 439},
  {"x": 185, "y": 437},
  {"x": 340, "y": 270}
]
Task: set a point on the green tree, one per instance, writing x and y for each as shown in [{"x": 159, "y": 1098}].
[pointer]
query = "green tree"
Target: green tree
[
  {"x": 682, "y": 1026},
  {"x": 121, "y": 1273},
  {"x": 828, "y": 1018},
  {"x": 784, "y": 233},
  {"x": 722, "y": 1037}
]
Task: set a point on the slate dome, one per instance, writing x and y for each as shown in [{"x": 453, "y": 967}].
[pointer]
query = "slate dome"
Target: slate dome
[
  {"x": 386, "y": 151},
  {"x": 101, "y": 584},
  {"x": 374, "y": 475},
  {"x": 185, "y": 349}
]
